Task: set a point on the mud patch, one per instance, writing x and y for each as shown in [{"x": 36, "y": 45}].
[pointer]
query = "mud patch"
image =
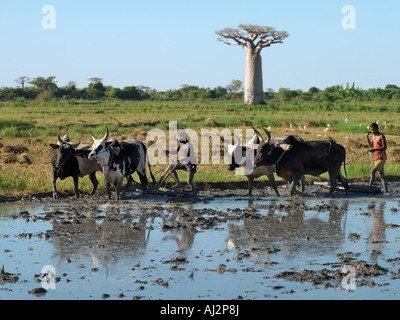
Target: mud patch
[{"x": 6, "y": 277}]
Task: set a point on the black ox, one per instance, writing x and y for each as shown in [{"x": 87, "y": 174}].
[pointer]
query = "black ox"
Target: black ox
[
  {"x": 68, "y": 161},
  {"x": 294, "y": 158},
  {"x": 245, "y": 152}
]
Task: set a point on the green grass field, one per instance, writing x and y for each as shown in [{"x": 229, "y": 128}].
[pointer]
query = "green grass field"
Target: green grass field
[{"x": 35, "y": 124}]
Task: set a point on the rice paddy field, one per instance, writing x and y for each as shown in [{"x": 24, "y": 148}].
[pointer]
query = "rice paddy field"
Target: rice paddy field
[{"x": 28, "y": 127}]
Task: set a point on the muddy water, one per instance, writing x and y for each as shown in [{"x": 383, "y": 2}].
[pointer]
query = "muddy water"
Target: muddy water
[{"x": 222, "y": 247}]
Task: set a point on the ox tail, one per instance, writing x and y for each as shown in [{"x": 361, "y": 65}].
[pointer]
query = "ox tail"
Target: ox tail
[{"x": 345, "y": 171}]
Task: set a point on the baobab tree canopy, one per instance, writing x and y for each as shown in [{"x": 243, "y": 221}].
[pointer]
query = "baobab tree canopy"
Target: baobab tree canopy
[{"x": 252, "y": 38}]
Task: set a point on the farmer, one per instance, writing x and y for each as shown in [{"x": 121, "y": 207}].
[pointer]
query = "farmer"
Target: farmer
[
  {"x": 186, "y": 159},
  {"x": 379, "y": 149}
]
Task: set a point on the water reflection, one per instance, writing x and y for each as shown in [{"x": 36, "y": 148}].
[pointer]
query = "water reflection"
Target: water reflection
[
  {"x": 295, "y": 229},
  {"x": 377, "y": 237},
  {"x": 177, "y": 227},
  {"x": 108, "y": 234},
  {"x": 102, "y": 238}
]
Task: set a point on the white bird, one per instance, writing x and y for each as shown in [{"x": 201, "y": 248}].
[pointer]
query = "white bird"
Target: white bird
[
  {"x": 329, "y": 126},
  {"x": 301, "y": 128},
  {"x": 269, "y": 128},
  {"x": 377, "y": 121},
  {"x": 347, "y": 120},
  {"x": 305, "y": 128},
  {"x": 291, "y": 126}
]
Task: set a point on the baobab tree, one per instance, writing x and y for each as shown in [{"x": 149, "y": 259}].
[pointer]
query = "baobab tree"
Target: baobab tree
[
  {"x": 252, "y": 38},
  {"x": 22, "y": 80},
  {"x": 95, "y": 79}
]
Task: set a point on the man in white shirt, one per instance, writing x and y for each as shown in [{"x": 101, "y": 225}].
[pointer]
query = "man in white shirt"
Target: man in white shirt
[{"x": 186, "y": 159}]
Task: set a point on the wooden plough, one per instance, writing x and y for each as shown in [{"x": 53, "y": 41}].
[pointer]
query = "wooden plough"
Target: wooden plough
[{"x": 167, "y": 173}]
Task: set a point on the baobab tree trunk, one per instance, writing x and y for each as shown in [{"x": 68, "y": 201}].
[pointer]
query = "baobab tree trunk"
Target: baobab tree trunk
[
  {"x": 252, "y": 38},
  {"x": 253, "y": 83}
]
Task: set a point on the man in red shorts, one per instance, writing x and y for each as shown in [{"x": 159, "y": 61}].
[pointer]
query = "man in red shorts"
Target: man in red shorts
[{"x": 379, "y": 149}]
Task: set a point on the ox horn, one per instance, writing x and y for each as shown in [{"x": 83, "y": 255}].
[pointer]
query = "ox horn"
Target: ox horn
[
  {"x": 258, "y": 134},
  {"x": 268, "y": 134},
  {"x": 59, "y": 139},
  {"x": 93, "y": 137},
  {"x": 104, "y": 138},
  {"x": 238, "y": 139},
  {"x": 74, "y": 145},
  {"x": 235, "y": 136},
  {"x": 106, "y": 135}
]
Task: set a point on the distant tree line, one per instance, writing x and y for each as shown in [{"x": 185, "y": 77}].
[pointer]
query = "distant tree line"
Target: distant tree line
[
  {"x": 46, "y": 89},
  {"x": 337, "y": 93}
]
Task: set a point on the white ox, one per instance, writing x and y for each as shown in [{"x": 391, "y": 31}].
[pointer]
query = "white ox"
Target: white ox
[{"x": 119, "y": 161}]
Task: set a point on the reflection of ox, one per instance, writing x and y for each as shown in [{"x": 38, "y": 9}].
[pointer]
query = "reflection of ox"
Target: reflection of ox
[
  {"x": 69, "y": 161},
  {"x": 247, "y": 151},
  {"x": 119, "y": 161},
  {"x": 104, "y": 237},
  {"x": 303, "y": 157}
]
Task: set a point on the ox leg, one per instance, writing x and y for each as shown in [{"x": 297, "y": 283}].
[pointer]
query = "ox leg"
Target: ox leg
[
  {"x": 143, "y": 182},
  {"x": 56, "y": 195},
  {"x": 272, "y": 182},
  {"x": 108, "y": 188},
  {"x": 118, "y": 186},
  {"x": 128, "y": 185},
  {"x": 296, "y": 178},
  {"x": 332, "y": 180},
  {"x": 250, "y": 183},
  {"x": 76, "y": 183},
  {"x": 303, "y": 184},
  {"x": 94, "y": 181},
  {"x": 343, "y": 181}
]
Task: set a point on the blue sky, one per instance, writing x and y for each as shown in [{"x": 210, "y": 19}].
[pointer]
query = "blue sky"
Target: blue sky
[{"x": 164, "y": 44}]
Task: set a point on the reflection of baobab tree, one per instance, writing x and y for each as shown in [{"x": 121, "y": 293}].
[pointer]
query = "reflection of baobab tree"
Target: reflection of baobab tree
[
  {"x": 181, "y": 232},
  {"x": 183, "y": 238},
  {"x": 291, "y": 231}
]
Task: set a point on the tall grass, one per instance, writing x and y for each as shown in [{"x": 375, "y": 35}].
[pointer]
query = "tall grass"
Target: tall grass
[
  {"x": 21, "y": 121},
  {"x": 10, "y": 182}
]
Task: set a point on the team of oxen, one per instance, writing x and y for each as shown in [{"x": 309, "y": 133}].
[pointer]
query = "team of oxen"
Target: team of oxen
[
  {"x": 291, "y": 158},
  {"x": 116, "y": 160}
]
